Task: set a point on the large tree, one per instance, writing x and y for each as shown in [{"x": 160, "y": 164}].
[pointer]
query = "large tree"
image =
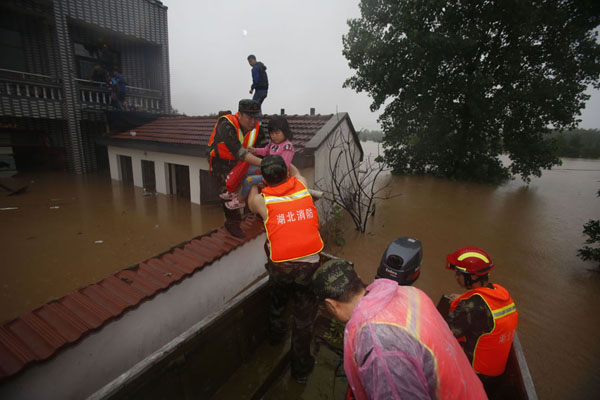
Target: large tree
[{"x": 463, "y": 82}]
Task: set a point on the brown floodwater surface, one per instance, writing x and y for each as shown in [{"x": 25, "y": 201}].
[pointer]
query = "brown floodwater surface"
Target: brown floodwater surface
[
  {"x": 532, "y": 232},
  {"x": 69, "y": 230},
  {"x": 51, "y": 245}
]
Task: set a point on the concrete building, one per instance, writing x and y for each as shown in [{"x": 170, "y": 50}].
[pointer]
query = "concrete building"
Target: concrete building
[
  {"x": 169, "y": 155},
  {"x": 51, "y": 110}
]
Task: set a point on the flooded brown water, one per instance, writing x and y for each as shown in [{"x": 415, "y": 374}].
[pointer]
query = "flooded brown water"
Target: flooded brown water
[
  {"x": 532, "y": 233},
  {"x": 68, "y": 231}
]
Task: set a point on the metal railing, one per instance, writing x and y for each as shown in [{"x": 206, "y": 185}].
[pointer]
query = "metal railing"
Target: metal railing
[
  {"x": 91, "y": 93},
  {"x": 99, "y": 94},
  {"x": 24, "y": 84}
]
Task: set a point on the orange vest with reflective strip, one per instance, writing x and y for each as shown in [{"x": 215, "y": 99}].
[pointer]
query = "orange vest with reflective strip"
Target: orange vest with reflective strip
[
  {"x": 491, "y": 350},
  {"x": 220, "y": 150},
  {"x": 292, "y": 222},
  {"x": 410, "y": 309}
]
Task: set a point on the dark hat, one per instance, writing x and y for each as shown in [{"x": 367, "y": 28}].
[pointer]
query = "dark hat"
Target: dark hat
[
  {"x": 273, "y": 169},
  {"x": 332, "y": 278},
  {"x": 250, "y": 107}
]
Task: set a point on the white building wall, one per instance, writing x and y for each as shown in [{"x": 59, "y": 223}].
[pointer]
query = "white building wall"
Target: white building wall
[
  {"x": 160, "y": 160},
  {"x": 329, "y": 150}
]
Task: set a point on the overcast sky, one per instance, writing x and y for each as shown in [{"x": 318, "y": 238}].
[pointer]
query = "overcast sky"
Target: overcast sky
[{"x": 300, "y": 42}]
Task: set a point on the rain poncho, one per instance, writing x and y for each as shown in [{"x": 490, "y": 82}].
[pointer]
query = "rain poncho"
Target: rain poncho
[{"x": 397, "y": 346}]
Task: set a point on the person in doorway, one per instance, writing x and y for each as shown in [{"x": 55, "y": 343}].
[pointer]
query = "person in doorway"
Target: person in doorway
[
  {"x": 293, "y": 247},
  {"x": 484, "y": 318},
  {"x": 231, "y": 137},
  {"x": 280, "y": 134},
  {"x": 260, "y": 80},
  {"x": 396, "y": 344}
]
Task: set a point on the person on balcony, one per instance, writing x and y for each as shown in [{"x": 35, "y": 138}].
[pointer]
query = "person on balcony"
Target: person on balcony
[{"x": 121, "y": 84}]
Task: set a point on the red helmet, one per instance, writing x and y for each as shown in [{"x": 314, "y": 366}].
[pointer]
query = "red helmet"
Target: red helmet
[{"x": 470, "y": 260}]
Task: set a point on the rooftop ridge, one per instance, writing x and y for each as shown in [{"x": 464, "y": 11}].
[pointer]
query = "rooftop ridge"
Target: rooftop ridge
[{"x": 39, "y": 334}]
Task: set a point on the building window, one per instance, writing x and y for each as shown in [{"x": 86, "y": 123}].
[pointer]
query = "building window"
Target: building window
[
  {"x": 88, "y": 56},
  {"x": 11, "y": 48}
]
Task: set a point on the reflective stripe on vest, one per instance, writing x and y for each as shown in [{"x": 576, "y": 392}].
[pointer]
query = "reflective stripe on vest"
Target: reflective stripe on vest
[
  {"x": 492, "y": 348},
  {"x": 246, "y": 141},
  {"x": 410, "y": 309},
  {"x": 292, "y": 222}
]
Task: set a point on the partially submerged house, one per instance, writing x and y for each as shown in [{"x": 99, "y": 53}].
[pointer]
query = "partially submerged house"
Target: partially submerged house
[
  {"x": 73, "y": 346},
  {"x": 51, "y": 111},
  {"x": 169, "y": 155}
]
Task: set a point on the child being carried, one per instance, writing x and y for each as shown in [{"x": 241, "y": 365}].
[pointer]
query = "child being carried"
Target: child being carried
[{"x": 280, "y": 144}]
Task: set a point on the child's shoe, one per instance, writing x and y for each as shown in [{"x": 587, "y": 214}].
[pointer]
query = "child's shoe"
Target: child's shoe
[
  {"x": 228, "y": 195},
  {"x": 235, "y": 204}
]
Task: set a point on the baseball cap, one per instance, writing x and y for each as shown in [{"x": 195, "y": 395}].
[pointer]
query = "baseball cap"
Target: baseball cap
[
  {"x": 250, "y": 107},
  {"x": 273, "y": 169},
  {"x": 332, "y": 278}
]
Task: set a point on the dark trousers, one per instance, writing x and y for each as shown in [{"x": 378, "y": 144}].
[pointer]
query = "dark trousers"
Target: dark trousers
[
  {"x": 290, "y": 282},
  {"x": 260, "y": 96}
]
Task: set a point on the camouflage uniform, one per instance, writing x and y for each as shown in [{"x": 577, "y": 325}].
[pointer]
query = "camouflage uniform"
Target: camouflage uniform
[
  {"x": 470, "y": 319},
  {"x": 291, "y": 280},
  {"x": 226, "y": 133}
]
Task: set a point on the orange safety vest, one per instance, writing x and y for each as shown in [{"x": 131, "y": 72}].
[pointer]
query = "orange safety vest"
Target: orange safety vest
[
  {"x": 220, "y": 150},
  {"x": 492, "y": 348},
  {"x": 292, "y": 222},
  {"x": 410, "y": 309}
]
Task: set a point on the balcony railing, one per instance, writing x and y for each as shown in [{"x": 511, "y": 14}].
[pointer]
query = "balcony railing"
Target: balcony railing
[
  {"x": 24, "y": 84},
  {"x": 92, "y": 94},
  {"x": 97, "y": 94}
]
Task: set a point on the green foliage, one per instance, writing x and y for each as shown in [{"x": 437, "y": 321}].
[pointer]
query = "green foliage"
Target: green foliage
[
  {"x": 464, "y": 82},
  {"x": 578, "y": 143},
  {"x": 592, "y": 230},
  {"x": 374, "y": 136}
]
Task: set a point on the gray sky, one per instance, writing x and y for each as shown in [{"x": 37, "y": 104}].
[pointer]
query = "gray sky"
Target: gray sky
[{"x": 300, "y": 42}]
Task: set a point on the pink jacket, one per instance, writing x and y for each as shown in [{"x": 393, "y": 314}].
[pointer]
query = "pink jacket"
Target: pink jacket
[
  {"x": 397, "y": 346},
  {"x": 284, "y": 149}
]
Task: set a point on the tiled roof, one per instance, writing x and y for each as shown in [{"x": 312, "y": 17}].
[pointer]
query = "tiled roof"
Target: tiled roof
[
  {"x": 39, "y": 334},
  {"x": 197, "y": 130}
]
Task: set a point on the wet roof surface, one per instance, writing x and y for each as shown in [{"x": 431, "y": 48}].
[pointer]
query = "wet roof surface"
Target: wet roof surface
[
  {"x": 39, "y": 334},
  {"x": 197, "y": 130}
]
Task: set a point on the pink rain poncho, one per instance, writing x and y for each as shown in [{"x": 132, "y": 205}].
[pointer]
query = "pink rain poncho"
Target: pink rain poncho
[{"x": 397, "y": 346}]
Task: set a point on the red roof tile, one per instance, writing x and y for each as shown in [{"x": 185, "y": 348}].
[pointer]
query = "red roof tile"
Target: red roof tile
[
  {"x": 197, "y": 130},
  {"x": 37, "y": 335}
]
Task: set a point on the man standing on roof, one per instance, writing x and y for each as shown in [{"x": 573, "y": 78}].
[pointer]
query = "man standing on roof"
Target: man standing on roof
[
  {"x": 293, "y": 247},
  {"x": 485, "y": 318},
  {"x": 396, "y": 344},
  {"x": 231, "y": 137},
  {"x": 260, "y": 81}
]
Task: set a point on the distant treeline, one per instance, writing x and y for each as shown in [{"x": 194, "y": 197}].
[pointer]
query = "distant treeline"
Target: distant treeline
[
  {"x": 375, "y": 136},
  {"x": 578, "y": 143}
]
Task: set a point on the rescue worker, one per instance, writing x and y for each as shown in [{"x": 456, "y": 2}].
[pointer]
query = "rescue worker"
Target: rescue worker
[
  {"x": 293, "y": 247},
  {"x": 396, "y": 344},
  {"x": 484, "y": 318},
  {"x": 229, "y": 142}
]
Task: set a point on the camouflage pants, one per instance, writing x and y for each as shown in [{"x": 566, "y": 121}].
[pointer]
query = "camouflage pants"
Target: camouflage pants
[
  {"x": 220, "y": 169},
  {"x": 290, "y": 281}
]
